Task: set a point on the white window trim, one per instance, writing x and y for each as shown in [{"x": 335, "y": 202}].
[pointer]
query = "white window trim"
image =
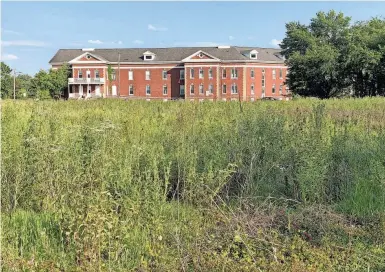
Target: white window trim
[
  {"x": 252, "y": 89},
  {"x": 223, "y": 77},
  {"x": 201, "y": 75},
  {"x": 149, "y": 75},
  {"x": 274, "y": 74},
  {"x": 129, "y": 88},
  {"x": 232, "y": 89},
  {"x": 224, "y": 88},
  {"x": 149, "y": 88},
  {"x": 180, "y": 74},
  {"x": 166, "y": 90},
  {"x": 132, "y": 75},
  {"x": 235, "y": 73},
  {"x": 211, "y": 88},
  {"x": 252, "y": 73},
  {"x": 192, "y": 86},
  {"x": 210, "y": 76},
  {"x": 201, "y": 87},
  {"x": 164, "y": 78},
  {"x": 192, "y": 72}
]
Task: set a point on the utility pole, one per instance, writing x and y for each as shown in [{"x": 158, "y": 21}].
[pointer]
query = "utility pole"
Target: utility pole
[
  {"x": 119, "y": 74},
  {"x": 14, "y": 83}
]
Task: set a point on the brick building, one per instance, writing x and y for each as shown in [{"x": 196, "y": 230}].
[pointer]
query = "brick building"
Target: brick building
[{"x": 192, "y": 73}]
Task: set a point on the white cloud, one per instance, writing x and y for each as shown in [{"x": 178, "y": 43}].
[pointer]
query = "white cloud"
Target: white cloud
[
  {"x": 138, "y": 42},
  {"x": 9, "y": 57},
  {"x": 24, "y": 43},
  {"x": 7, "y": 31},
  {"x": 275, "y": 42},
  {"x": 95, "y": 41},
  {"x": 231, "y": 38},
  {"x": 154, "y": 28},
  {"x": 120, "y": 42}
]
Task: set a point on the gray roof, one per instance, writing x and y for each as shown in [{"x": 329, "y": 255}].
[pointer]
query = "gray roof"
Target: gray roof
[{"x": 177, "y": 54}]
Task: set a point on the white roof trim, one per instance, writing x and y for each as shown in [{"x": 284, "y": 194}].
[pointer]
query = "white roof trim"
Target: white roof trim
[
  {"x": 148, "y": 53},
  {"x": 253, "y": 51},
  {"x": 200, "y": 60},
  {"x": 76, "y": 60}
]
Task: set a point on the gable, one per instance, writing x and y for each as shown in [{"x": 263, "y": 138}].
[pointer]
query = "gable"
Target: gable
[
  {"x": 87, "y": 58},
  {"x": 201, "y": 56}
]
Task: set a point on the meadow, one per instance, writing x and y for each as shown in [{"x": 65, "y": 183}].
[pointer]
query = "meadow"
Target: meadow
[{"x": 114, "y": 185}]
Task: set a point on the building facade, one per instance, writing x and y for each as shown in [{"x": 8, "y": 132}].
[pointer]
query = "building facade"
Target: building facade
[{"x": 209, "y": 73}]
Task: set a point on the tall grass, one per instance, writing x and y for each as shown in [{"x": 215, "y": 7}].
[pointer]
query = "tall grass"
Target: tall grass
[{"x": 114, "y": 185}]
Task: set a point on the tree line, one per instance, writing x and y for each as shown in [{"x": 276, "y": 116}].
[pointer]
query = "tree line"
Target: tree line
[
  {"x": 331, "y": 57},
  {"x": 44, "y": 85}
]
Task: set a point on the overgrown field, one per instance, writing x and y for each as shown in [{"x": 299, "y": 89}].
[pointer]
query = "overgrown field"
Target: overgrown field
[{"x": 113, "y": 185}]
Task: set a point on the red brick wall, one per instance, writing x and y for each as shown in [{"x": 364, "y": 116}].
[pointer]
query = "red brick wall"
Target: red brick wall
[{"x": 206, "y": 81}]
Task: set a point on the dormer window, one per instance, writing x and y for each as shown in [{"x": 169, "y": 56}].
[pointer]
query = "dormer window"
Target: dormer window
[
  {"x": 148, "y": 55},
  {"x": 253, "y": 54}
]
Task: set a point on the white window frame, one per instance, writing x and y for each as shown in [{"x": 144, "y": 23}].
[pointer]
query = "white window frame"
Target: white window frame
[
  {"x": 181, "y": 74},
  {"x": 192, "y": 88},
  {"x": 224, "y": 72},
  {"x": 234, "y": 73},
  {"x": 210, "y": 72},
  {"x": 280, "y": 89},
  {"x": 192, "y": 73},
  {"x": 224, "y": 90},
  {"x": 131, "y": 88},
  {"x": 165, "y": 88},
  {"x": 263, "y": 81},
  {"x": 180, "y": 90},
  {"x": 113, "y": 74},
  {"x": 263, "y": 92},
  {"x": 164, "y": 74},
  {"x": 252, "y": 73},
  {"x": 148, "y": 75},
  {"x": 280, "y": 73},
  {"x": 130, "y": 75},
  {"x": 211, "y": 88},
  {"x": 234, "y": 88},
  {"x": 97, "y": 73},
  {"x": 274, "y": 74},
  {"x": 201, "y": 91},
  {"x": 252, "y": 89},
  {"x": 80, "y": 74},
  {"x": 273, "y": 89},
  {"x": 201, "y": 73},
  {"x": 148, "y": 88}
]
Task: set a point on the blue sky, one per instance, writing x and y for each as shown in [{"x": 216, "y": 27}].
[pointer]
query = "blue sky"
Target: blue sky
[{"x": 32, "y": 32}]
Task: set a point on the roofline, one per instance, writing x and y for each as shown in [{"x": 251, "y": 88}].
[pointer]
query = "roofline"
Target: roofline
[{"x": 176, "y": 62}]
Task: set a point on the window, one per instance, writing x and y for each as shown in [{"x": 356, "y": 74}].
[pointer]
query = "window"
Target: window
[
  {"x": 263, "y": 80},
  {"x": 224, "y": 90},
  {"x": 130, "y": 75},
  {"x": 234, "y": 73},
  {"x": 200, "y": 73},
  {"x": 253, "y": 56},
  {"x": 164, "y": 89},
  {"x": 234, "y": 89},
  {"x": 191, "y": 73},
  {"x": 252, "y": 89},
  {"x": 252, "y": 73},
  {"x": 148, "y": 90},
  {"x": 80, "y": 74},
  {"x": 201, "y": 88},
  {"x": 164, "y": 74},
  {"x": 280, "y": 88},
  {"x": 273, "y": 89},
  {"x": 181, "y": 74},
  {"x": 113, "y": 75},
  {"x": 211, "y": 88},
  {"x": 131, "y": 90},
  {"x": 181, "y": 89},
  {"x": 280, "y": 73},
  {"x": 192, "y": 89},
  {"x": 224, "y": 73},
  {"x": 273, "y": 73},
  {"x": 210, "y": 72},
  {"x": 263, "y": 70},
  {"x": 97, "y": 74},
  {"x": 88, "y": 74},
  {"x": 263, "y": 91},
  {"x": 147, "y": 75},
  {"x": 147, "y": 57}
]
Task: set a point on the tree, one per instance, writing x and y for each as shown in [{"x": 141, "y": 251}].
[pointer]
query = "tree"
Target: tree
[
  {"x": 23, "y": 83},
  {"x": 314, "y": 55},
  {"x": 6, "y": 81}
]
